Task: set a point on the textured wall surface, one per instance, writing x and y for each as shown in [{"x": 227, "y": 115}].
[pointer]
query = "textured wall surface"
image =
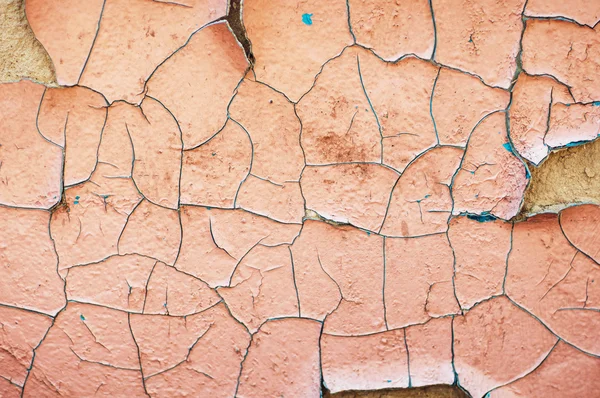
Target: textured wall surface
[{"x": 294, "y": 198}]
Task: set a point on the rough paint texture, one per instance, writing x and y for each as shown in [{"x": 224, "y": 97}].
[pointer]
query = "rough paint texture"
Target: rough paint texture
[{"x": 297, "y": 198}]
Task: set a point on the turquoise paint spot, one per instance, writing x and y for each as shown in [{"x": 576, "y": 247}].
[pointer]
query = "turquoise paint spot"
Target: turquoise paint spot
[
  {"x": 368, "y": 233},
  {"x": 596, "y": 103},
  {"x": 483, "y": 217},
  {"x": 426, "y": 196},
  {"x": 307, "y": 19},
  {"x": 576, "y": 143},
  {"x": 82, "y": 317},
  {"x": 527, "y": 174},
  {"x": 507, "y": 146},
  {"x": 76, "y": 202}
]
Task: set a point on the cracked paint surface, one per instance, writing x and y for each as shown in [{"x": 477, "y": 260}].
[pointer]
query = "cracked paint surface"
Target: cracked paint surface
[{"x": 267, "y": 198}]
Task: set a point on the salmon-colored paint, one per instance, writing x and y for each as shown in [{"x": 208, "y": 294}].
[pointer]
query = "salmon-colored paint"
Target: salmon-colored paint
[{"x": 333, "y": 206}]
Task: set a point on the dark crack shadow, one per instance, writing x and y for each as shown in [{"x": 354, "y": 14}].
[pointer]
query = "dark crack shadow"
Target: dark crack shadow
[{"x": 236, "y": 23}]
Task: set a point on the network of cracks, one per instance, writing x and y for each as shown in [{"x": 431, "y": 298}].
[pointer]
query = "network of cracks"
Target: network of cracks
[{"x": 264, "y": 198}]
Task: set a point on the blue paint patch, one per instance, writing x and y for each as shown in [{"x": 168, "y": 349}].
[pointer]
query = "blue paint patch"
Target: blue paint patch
[
  {"x": 576, "y": 143},
  {"x": 426, "y": 196},
  {"x": 368, "y": 233},
  {"x": 389, "y": 381},
  {"x": 76, "y": 202},
  {"x": 527, "y": 174},
  {"x": 596, "y": 103},
  {"x": 507, "y": 146},
  {"x": 307, "y": 19},
  {"x": 483, "y": 217},
  {"x": 81, "y": 317}
]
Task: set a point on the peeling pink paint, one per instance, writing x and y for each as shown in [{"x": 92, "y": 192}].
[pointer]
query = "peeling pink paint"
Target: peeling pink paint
[{"x": 327, "y": 197}]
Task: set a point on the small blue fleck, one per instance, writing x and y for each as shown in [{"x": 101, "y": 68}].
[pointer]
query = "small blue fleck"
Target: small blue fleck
[
  {"x": 208, "y": 208},
  {"x": 76, "y": 203},
  {"x": 567, "y": 105},
  {"x": 507, "y": 146},
  {"x": 596, "y": 103},
  {"x": 307, "y": 19},
  {"x": 82, "y": 317},
  {"x": 368, "y": 233},
  {"x": 426, "y": 196},
  {"x": 77, "y": 197},
  {"x": 389, "y": 381},
  {"x": 527, "y": 174}
]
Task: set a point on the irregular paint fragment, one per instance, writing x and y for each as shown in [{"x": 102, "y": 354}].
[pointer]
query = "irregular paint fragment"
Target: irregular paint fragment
[
  {"x": 119, "y": 282},
  {"x": 200, "y": 254},
  {"x": 580, "y": 226},
  {"x": 29, "y": 262},
  {"x": 22, "y": 331},
  {"x": 532, "y": 100},
  {"x": 574, "y": 124},
  {"x": 421, "y": 201},
  {"x": 430, "y": 352},
  {"x": 481, "y": 254},
  {"x": 283, "y": 359},
  {"x": 306, "y": 50},
  {"x": 430, "y": 291},
  {"x": 152, "y": 231},
  {"x": 171, "y": 292},
  {"x": 67, "y": 30},
  {"x": 80, "y": 357},
  {"x": 491, "y": 178},
  {"x": 270, "y": 120},
  {"x": 338, "y": 124},
  {"x": 555, "y": 282},
  {"x": 200, "y": 103},
  {"x": 393, "y": 30},
  {"x": 339, "y": 274},
  {"x": 486, "y": 40},
  {"x": 471, "y": 96},
  {"x": 31, "y": 171},
  {"x": 190, "y": 355},
  {"x": 211, "y": 174},
  {"x": 262, "y": 287},
  {"x": 349, "y": 193},
  {"x": 583, "y": 11},
  {"x": 485, "y": 342},
  {"x": 557, "y": 375},
  {"x": 283, "y": 203},
  {"x": 74, "y": 118},
  {"x": 400, "y": 94},
  {"x": 566, "y": 51},
  {"x": 135, "y": 36},
  {"x": 368, "y": 362}
]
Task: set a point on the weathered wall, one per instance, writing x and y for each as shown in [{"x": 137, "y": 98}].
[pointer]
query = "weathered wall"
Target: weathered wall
[{"x": 309, "y": 196}]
